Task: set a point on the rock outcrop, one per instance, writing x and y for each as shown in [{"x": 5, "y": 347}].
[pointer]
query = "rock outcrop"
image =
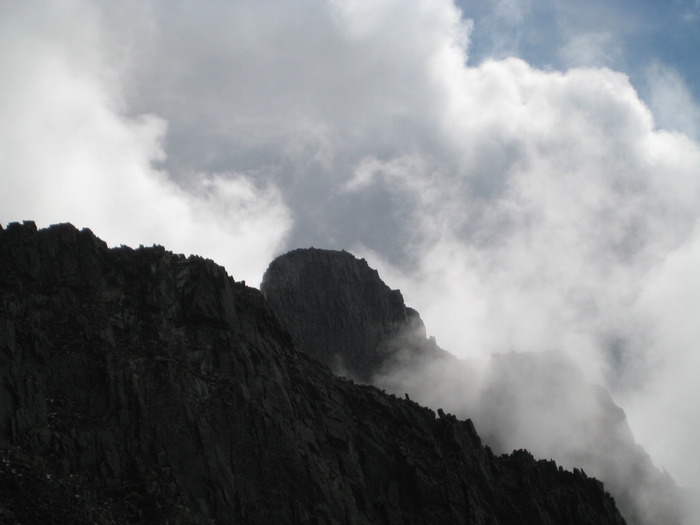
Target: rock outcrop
[
  {"x": 342, "y": 313},
  {"x": 143, "y": 386},
  {"x": 337, "y": 307}
]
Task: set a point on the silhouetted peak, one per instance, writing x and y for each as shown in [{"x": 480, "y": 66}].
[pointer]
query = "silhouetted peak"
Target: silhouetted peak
[{"x": 339, "y": 310}]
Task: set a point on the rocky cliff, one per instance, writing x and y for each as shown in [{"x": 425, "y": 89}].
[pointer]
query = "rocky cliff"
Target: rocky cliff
[
  {"x": 142, "y": 386},
  {"x": 337, "y": 307},
  {"x": 343, "y": 314}
]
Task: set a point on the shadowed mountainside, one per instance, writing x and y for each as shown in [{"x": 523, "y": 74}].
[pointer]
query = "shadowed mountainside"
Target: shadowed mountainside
[
  {"x": 143, "y": 386},
  {"x": 339, "y": 309},
  {"x": 343, "y": 314}
]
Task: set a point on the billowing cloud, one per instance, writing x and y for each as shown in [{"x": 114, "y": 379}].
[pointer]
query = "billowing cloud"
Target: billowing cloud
[
  {"x": 585, "y": 206},
  {"x": 517, "y": 208},
  {"x": 668, "y": 303},
  {"x": 71, "y": 152}
]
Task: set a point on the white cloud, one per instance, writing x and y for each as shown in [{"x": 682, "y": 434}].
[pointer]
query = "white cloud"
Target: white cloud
[
  {"x": 68, "y": 153},
  {"x": 668, "y": 304},
  {"x": 540, "y": 231}
]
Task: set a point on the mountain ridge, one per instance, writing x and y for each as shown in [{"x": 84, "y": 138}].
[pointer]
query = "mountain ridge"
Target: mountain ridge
[
  {"x": 145, "y": 386},
  {"x": 539, "y": 401}
]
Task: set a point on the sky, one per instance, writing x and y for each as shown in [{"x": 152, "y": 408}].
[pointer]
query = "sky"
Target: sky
[{"x": 527, "y": 173}]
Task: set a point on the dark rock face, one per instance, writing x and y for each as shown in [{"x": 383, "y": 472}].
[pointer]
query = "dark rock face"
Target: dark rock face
[
  {"x": 337, "y": 307},
  {"x": 143, "y": 386},
  {"x": 342, "y": 313}
]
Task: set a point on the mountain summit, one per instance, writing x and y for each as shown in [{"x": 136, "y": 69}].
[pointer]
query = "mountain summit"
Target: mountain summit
[{"x": 341, "y": 312}]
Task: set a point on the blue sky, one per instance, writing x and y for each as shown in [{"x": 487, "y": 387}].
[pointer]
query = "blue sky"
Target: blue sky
[
  {"x": 635, "y": 37},
  {"x": 642, "y": 32}
]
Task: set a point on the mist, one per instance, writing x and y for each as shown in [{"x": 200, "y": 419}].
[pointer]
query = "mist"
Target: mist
[
  {"x": 541, "y": 402},
  {"x": 526, "y": 194}
]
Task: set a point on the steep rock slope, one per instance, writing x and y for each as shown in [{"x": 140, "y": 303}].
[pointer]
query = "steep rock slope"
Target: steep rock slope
[
  {"x": 342, "y": 313},
  {"x": 336, "y": 306},
  {"x": 143, "y": 386}
]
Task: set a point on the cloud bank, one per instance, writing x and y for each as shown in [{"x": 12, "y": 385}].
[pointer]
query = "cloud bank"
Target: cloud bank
[
  {"x": 72, "y": 151},
  {"x": 517, "y": 208}
]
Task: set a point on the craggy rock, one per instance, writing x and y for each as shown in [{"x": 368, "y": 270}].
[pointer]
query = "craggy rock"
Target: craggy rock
[
  {"x": 340, "y": 311},
  {"x": 337, "y": 308},
  {"x": 143, "y": 386}
]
